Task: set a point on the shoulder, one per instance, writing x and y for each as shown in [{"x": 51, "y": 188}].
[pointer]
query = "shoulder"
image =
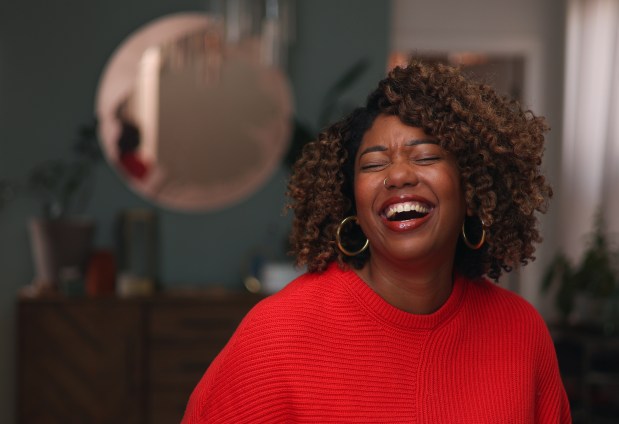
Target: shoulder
[
  {"x": 269, "y": 342},
  {"x": 311, "y": 309},
  {"x": 303, "y": 298},
  {"x": 492, "y": 296},
  {"x": 496, "y": 305},
  {"x": 509, "y": 328},
  {"x": 516, "y": 329}
]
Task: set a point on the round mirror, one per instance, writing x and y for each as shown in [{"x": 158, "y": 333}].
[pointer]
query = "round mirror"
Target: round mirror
[{"x": 190, "y": 121}]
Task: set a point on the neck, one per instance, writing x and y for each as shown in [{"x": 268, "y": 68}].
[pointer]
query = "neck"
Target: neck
[{"x": 413, "y": 290}]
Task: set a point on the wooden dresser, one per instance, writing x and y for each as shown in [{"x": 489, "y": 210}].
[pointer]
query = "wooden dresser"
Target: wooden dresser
[
  {"x": 112, "y": 360},
  {"x": 589, "y": 361}
]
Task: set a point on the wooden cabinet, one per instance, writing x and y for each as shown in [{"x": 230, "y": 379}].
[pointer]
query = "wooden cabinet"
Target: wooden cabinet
[
  {"x": 589, "y": 362},
  {"x": 183, "y": 338},
  {"x": 118, "y": 360}
]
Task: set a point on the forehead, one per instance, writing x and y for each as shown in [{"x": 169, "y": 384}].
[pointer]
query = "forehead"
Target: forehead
[{"x": 387, "y": 130}]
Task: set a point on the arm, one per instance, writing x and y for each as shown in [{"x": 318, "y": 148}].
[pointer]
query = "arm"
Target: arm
[
  {"x": 240, "y": 386},
  {"x": 551, "y": 404}
]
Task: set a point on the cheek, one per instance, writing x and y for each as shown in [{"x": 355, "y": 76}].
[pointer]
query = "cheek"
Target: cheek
[
  {"x": 447, "y": 187},
  {"x": 364, "y": 198},
  {"x": 456, "y": 187},
  {"x": 447, "y": 180},
  {"x": 361, "y": 191},
  {"x": 455, "y": 191}
]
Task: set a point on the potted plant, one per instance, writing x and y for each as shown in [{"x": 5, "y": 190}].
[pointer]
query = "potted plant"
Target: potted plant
[
  {"x": 332, "y": 106},
  {"x": 586, "y": 292},
  {"x": 61, "y": 239}
]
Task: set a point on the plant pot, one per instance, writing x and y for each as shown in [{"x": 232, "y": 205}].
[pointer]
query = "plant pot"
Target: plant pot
[{"x": 60, "y": 245}]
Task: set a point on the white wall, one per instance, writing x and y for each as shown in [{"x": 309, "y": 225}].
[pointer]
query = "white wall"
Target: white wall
[{"x": 531, "y": 27}]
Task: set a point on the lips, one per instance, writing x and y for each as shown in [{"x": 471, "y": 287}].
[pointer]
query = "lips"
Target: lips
[{"x": 406, "y": 212}]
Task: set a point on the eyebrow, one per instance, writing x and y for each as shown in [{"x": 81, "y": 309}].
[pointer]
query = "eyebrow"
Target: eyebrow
[{"x": 410, "y": 143}]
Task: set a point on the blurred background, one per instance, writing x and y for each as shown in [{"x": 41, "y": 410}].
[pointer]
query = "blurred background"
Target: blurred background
[{"x": 560, "y": 58}]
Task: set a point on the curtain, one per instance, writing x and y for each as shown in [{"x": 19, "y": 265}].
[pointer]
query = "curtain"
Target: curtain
[{"x": 590, "y": 157}]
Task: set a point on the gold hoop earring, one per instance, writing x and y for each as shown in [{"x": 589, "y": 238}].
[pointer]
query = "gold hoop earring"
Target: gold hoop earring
[
  {"x": 339, "y": 242},
  {"x": 481, "y": 241}
]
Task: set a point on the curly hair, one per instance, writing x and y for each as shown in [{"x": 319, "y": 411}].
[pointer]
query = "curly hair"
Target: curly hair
[{"x": 498, "y": 147}]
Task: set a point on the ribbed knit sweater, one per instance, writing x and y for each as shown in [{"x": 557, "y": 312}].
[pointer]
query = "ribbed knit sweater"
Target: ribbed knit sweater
[{"x": 328, "y": 349}]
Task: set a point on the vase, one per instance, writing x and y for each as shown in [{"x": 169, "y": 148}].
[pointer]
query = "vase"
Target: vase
[{"x": 60, "y": 246}]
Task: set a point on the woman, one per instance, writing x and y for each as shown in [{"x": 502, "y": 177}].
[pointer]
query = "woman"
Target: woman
[{"x": 400, "y": 210}]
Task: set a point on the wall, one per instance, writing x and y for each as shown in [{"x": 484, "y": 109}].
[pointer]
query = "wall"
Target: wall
[
  {"x": 534, "y": 28},
  {"x": 51, "y": 57}
]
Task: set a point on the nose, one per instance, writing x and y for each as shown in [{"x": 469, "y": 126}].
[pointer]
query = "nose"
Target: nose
[{"x": 401, "y": 174}]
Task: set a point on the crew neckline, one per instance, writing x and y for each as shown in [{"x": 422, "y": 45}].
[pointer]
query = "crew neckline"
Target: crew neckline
[{"x": 389, "y": 314}]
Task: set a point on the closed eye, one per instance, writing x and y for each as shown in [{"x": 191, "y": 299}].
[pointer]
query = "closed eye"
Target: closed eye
[
  {"x": 427, "y": 160},
  {"x": 373, "y": 166}
]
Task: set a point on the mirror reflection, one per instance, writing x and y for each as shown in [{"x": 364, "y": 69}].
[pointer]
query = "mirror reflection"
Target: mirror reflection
[{"x": 190, "y": 121}]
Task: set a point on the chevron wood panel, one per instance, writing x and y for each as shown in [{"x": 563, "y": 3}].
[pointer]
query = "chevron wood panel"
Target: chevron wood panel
[
  {"x": 120, "y": 361},
  {"x": 80, "y": 362}
]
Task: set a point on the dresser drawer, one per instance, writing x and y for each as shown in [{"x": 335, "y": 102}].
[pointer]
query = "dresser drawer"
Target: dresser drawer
[
  {"x": 181, "y": 366},
  {"x": 192, "y": 322},
  {"x": 184, "y": 339}
]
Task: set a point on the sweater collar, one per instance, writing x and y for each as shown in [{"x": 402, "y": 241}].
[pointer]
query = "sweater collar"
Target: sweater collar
[{"x": 393, "y": 316}]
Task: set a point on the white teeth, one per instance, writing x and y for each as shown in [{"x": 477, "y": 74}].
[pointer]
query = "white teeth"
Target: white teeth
[{"x": 406, "y": 207}]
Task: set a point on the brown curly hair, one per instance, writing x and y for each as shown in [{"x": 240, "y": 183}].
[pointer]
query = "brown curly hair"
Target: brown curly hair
[{"x": 498, "y": 147}]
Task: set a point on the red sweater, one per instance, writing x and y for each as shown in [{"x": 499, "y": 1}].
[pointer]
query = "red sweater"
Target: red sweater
[{"x": 328, "y": 349}]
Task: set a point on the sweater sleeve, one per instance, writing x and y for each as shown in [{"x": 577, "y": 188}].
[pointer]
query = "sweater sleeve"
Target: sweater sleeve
[
  {"x": 213, "y": 393},
  {"x": 197, "y": 406},
  {"x": 239, "y": 386},
  {"x": 551, "y": 405}
]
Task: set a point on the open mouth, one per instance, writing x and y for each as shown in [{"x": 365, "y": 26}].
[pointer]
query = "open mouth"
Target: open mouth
[{"x": 406, "y": 211}]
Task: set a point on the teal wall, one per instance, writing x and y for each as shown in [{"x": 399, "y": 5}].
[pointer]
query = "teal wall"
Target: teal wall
[{"x": 51, "y": 57}]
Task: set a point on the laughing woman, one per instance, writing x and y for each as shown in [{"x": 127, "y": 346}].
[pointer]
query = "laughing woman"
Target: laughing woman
[{"x": 403, "y": 211}]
